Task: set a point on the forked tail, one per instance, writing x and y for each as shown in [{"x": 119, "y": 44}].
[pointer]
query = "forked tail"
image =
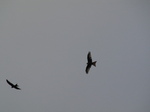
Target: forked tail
[{"x": 94, "y": 63}]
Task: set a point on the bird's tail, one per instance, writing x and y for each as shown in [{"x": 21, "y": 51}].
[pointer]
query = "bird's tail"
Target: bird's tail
[{"x": 94, "y": 63}]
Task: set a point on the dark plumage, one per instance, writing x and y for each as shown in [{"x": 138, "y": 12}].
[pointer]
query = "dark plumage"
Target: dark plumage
[
  {"x": 89, "y": 63},
  {"x": 12, "y": 85}
]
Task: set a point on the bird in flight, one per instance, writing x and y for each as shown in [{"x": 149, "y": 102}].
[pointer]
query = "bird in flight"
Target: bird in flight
[
  {"x": 89, "y": 63},
  {"x": 12, "y": 85}
]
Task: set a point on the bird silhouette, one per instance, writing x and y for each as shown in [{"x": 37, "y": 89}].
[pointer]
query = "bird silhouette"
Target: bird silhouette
[
  {"x": 89, "y": 63},
  {"x": 12, "y": 85}
]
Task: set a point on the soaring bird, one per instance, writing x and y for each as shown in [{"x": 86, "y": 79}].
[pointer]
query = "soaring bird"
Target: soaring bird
[
  {"x": 89, "y": 63},
  {"x": 12, "y": 85}
]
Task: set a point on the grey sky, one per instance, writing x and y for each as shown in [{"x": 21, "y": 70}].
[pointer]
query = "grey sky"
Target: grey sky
[{"x": 44, "y": 44}]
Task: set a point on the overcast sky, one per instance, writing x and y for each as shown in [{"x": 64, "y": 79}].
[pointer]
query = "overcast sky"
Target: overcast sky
[{"x": 44, "y": 46}]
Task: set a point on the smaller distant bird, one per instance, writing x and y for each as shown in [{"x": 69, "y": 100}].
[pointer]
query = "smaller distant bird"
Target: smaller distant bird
[
  {"x": 89, "y": 63},
  {"x": 12, "y": 85}
]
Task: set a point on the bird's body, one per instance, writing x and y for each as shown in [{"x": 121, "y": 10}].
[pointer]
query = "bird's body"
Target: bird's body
[
  {"x": 89, "y": 63},
  {"x": 12, "y": 85}
]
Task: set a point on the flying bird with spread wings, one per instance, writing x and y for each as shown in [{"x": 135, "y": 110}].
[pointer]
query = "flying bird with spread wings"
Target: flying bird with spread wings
[
  {"x": 12, "y": 85},
  {"x": 89, "y": 63}
]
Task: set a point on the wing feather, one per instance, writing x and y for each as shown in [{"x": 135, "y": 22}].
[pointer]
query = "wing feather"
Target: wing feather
[
  {"x": 9, "y": 83},
  {"x": 89, "y": 57},
  {"x": 17, "y": 88},
  {"x": 88, "y": 68}
]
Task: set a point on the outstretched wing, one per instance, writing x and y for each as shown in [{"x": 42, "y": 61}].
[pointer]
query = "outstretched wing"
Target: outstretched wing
[
  {"x": 9, "y": 83},
  {"x": 87, "y": 68},
  {"x": 89, "y": 57},
  {"x": 16, "y": 87}
]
